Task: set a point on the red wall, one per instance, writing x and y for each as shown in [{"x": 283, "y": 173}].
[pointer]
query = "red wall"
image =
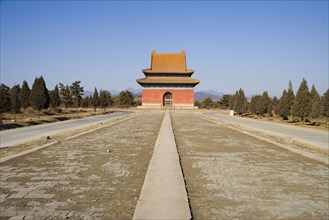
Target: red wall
[{"x": 180, "y": 96}]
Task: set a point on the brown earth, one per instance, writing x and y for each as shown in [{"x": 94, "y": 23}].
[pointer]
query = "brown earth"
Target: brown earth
[
  {"x": 233, "y": 175},
  {"x": 97, "y": 175}
]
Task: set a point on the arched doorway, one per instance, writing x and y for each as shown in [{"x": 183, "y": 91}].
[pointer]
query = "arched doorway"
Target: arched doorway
[{"x": 167, "y": 99}]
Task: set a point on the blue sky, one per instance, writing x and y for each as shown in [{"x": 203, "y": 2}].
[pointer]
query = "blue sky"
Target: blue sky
[{"x": 254, "y": 45}]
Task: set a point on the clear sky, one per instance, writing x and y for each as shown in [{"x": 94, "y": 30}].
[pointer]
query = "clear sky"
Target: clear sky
[{"x": 256, "y": 45}]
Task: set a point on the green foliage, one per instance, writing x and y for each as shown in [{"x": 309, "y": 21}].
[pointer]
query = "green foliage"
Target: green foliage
[
  {"x": 125, "y": 98},
  {"x": 302, "y": 103},
  {"x": 5, "y": 105},
  {"x": 65, "y": 95},
  {"x": 315, "y": 103},
  {"x": 225, "y": 100},
  {"x": 325, "y": 103},
  {"x": 55, "y": 99},
  {"x": 76, "y": 93},
  {"x": 206, "y": 103},
  {"x": 105, "y": 99},
  {"x": 254, "y": 105},
  {"x": 285, "y": 103},
  {"x": 14, "y": 99},
  {"x": 39, "y": 97},
  {"x": 24, "y": 95},
  {"x": 95, "y": 100},
  {"x": 86, "y": 102},
  {"x": 265, "y": 104},
  {"x": 239, "y": 102}
]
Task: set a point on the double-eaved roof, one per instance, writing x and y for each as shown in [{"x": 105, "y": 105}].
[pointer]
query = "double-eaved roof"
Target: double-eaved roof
[{"x": 168, "y": 68}]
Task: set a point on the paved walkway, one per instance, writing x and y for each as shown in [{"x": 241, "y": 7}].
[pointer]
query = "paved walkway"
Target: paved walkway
[
  {"x": 163, "y": 195},
  {"x": 315, "y": 138},
  {"x": 20, "y": 135}
]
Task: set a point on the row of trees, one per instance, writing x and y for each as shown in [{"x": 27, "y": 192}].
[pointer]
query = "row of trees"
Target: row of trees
[
  {"x": 305, "y": 104},
  {"x": 39, "y": 97}
]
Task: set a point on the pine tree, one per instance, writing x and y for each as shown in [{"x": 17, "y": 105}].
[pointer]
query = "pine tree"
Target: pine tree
[
  {"x": 302, "y": 104},
  {"x": 325, "y": 103},
  {"x": 254, "y": 107},
  {"x": 316, "y": 103},
  {"x": 104, "y": 99},
  {"x": 240, "y": 102},
  {"x": 126, "y": 98},
  {"x": 65, "y": 95},
  {"x": 285, "y": 103},
  {"x": 76, "y": 93},
  {"x": 225, "y": 100},
  {"x": 39, "y": 97},
  {"x": 95, "y": 100},
  {"x": 5, "y": 105},
  {"x": 24, "y": 96},
  {"x": 55, "y": 99},
  {"x": 264, "y": 104},
  {"x": 14, "y": 99}
]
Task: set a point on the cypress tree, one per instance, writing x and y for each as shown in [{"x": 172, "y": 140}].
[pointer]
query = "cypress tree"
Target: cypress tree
[
  {"x": 316, "y": 103},
  {"x": 95, "y": 100},
  {"x": 76, "y": 93},
  {"x": 14, "y": 99},
  {"x": 39, "y": 97},
  {"x": 5, "y": 105},
  {"x": 126, "y": 98},
  {"x": 325, "y": 103},
  {"x": 65, "y": 95},
  {"x": 264, "y": 104},
  {"x": 240, "y": 102},
  {"x": 55, "y": 99},
  {"x": 24, "y": 95},
  {"x": 302, "y": 104}
]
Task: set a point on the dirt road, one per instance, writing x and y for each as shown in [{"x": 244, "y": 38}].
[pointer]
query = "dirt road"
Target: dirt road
[
  {"x": 232, "y": 175},
  {"x": 97, "y": 175}
]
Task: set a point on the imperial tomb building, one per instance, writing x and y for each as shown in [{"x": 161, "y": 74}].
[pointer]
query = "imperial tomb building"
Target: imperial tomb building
[{"x": 168, "y": 83}]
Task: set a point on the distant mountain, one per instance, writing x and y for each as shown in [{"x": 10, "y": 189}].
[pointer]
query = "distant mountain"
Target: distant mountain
[
  {"x": 137, "y": 92},
  {"x": 208, "y": 93}
]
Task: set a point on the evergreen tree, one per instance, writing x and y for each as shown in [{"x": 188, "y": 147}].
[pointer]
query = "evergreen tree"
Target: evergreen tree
[
  {"x": 254, "y": 107},
  {"x": 302, "y": 104},
  {"x": 207, "y": 102},
  {"x": 24, "y": 96},
  {"x": 76, "y": 93},
  {"x": 39, "y": 97},
  {"x": 104, "y": 99},
  {"x": 285, "y": 102},
  {"x": 264, "y": 104},
  {"x": 14, "y": 99},
  {"x": 316, "y": 103},
  {"x": 5, "y": 105},
  {"x": 125, "y": 98},
  {"x": 240, "y": 102},
  {"x": 65, "y": 95},
  {"x": 55, "y": 99},
  {"x": 95, "y": 100},
  {"x": 85, "y": 103},
  {"x": 274, "y": 104},
  {"x": 225, "y": 100},
  {"x": 325, "y": 103}
]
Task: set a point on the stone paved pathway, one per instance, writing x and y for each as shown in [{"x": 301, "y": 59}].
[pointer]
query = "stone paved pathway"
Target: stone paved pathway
[
  {"x": 95, "y": 176},
  {"x": 231, "y": 175}
]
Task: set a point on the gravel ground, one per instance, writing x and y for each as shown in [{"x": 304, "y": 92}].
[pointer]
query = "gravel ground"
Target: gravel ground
[
  {"x": 232, "y": 175},
  {"x": 95, "y": 176}
]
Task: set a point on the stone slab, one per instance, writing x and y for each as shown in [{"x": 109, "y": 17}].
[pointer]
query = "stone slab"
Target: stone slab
[{"x": 163, "y": 194}]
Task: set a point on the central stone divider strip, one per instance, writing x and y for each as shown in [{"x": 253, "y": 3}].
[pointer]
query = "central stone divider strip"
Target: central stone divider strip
[{"x": 163, "y": 194}]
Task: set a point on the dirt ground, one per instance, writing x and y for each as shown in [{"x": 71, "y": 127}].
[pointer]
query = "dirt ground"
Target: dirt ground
[
  {"x": 232, "y": 175},
  {"x": 95, "y": 176}
]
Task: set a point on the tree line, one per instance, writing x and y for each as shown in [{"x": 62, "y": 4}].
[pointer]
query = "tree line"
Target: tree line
[
  {"x": 305, "y": 104},
  {"x": 67, "y": 96}
]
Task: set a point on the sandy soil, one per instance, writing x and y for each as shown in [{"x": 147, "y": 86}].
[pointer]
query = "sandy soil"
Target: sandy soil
[
  {"x": 95, "y": 176},
  {"x": 232, "y": 175}
]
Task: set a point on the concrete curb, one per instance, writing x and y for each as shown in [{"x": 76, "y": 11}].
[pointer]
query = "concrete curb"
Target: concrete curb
[
  {"x": 119, "y": 120},
  {"x": 163, "y": 194}
]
